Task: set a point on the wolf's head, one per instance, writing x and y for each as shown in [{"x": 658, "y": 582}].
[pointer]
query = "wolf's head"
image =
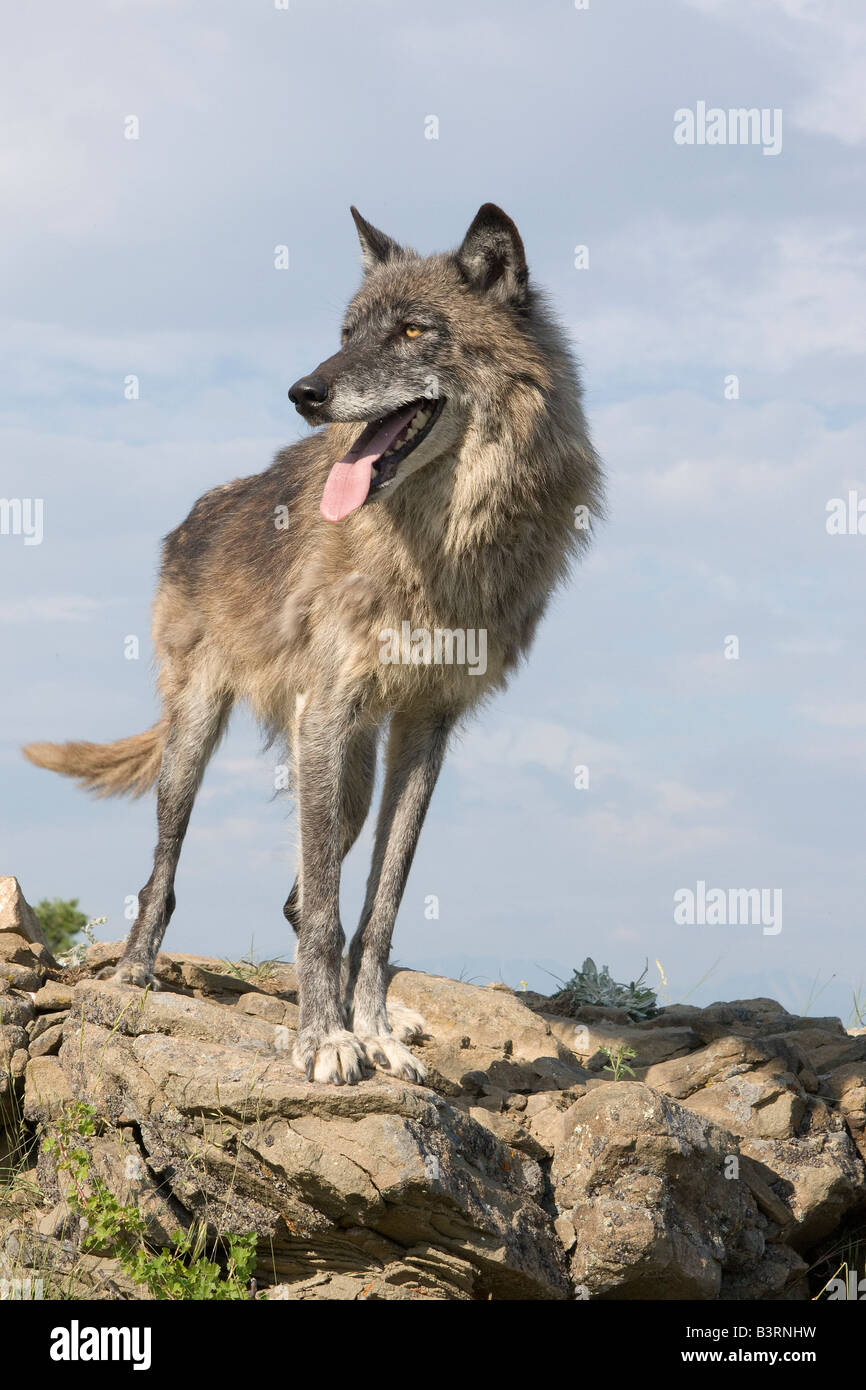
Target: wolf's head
[{"x": 420, "y": 340}]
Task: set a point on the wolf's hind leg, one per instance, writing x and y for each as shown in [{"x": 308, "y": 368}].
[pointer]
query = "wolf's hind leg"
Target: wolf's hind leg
[
  {"x": 324, "y": 1048},
  {"x": 416, "y": 748},
  {"x": 197, "y": 720}
]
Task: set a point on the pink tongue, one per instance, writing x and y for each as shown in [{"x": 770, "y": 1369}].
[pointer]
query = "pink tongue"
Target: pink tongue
[
  {"x": 346, "y": 489},
  {"x": 349, "y": 479}
]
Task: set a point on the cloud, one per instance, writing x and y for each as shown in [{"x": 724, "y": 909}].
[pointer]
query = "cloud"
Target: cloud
[
  {"x": 513, "y": 744},
  {"x": 53, "y": 608},
  {"x": 836, "y": 716},
  {"x": 706, "y": 293},
  {"x": 825, "y": 41}
]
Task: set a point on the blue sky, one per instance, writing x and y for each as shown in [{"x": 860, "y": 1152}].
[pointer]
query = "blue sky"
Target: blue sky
[{"x": 154, "y": 257}]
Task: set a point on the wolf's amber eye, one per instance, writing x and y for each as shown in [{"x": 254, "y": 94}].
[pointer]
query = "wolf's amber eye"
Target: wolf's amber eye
[{"x": 412, "y": 331}]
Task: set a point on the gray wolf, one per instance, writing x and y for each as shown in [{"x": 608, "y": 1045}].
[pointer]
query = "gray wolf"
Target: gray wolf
[{"x": 443, "y": 488}]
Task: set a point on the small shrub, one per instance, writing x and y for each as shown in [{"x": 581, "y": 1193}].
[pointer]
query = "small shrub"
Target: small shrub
[{"x": 589, "y": 985}]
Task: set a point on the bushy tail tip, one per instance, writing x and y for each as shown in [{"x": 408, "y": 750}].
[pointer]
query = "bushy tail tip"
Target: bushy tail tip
[{"x": 128, "y": 767}]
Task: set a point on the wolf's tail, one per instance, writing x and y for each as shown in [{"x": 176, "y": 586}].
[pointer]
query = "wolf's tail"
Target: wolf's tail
[{"x": 128, "y": 767}]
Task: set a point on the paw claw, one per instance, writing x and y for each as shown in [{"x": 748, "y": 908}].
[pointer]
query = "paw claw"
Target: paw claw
[
  {"x": 335, "y": 1059},
  {"x": 390, "y": 1053},
  {"x": 406, "y": 1024},
  {"x": 129, "y": 973}
]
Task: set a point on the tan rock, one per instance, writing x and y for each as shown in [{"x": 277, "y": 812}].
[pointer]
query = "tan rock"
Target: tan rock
[
  {"x": 20, "y": 977},
  {"x": 779, "y": 1274},
  {"x": 16, "y": 1008},
  {"x": 18, "y": 1063},
  {"x": 42, "y": 1022},
  {"x": 763, "y": 1106},
  {"x": 507, "y": 1127},
  {"x": 853, "y": 1107},
  {"x": 12, "y": 1037},
  {"x": 267, "y": 1006},
  {"x": 680, "y": 1076},
  {"x": 520, "y": 1171},
  {"x": 46, "y": 1089},
  {"x": 420, "y": 1276},
  {"x": 819, "y": 1176},
  {"x": 842, "y": 1079},
  {"x": 198, "y": 977},
  {"x": 827, "y": 1049},
  {"x": 100, "y": 1067},
  {"x": 490, "y": 1018},
  {"x": 16, "y": 914},
  {"x": 652, "y": 1045},
  {"x": 53, "y": 996},
  {"x": 48, "y": 1042},
  {"x": 653, "y": 1214},
  {"x": 15, "y": 948},
  {"x": 235, "y": 1125},
  {"x": 134, "y": 1012}
]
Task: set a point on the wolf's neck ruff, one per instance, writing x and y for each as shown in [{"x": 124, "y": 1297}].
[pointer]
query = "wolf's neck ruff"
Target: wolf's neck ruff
[{"x": 379, "y": 450}]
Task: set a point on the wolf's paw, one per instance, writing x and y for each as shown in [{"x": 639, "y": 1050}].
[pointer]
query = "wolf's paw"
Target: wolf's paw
[
  {"x": 338, "y": 1057},
  {"x": 388, "y": 1052},
  {"x": 129, "y": 972},
  {"x": 405, "y": 1023}
]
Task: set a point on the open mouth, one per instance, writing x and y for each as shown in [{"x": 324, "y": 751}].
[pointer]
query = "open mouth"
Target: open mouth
[{"x": 374, "y": 459}]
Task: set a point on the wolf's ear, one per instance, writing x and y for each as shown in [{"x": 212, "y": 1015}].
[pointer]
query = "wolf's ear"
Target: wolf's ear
[
  {"x": 376, "y": 247},
  {"x": 492, "y": 256}
]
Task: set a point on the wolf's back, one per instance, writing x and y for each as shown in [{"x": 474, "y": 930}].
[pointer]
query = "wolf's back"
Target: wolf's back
[{"x": 128, "y": 767}]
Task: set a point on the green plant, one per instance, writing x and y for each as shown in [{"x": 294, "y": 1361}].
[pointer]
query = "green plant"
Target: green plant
[
  {"x": 248, "y": 968},
  {"x": 815, "y": 992},
  {"x": 857, "y": 1017},
  {"x": 16, "y": 1143},
  {"x": 619, "y": 1058},
  {"x": 61, "y": 922},
  {"x": 185, "y": 1270},
  {"x": 589, "y": 985}
]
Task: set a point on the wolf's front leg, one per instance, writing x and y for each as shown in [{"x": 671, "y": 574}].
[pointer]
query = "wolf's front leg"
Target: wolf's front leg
[
  {"x": 324, "y": 1049},
  {"x": 416, "y": 748}
]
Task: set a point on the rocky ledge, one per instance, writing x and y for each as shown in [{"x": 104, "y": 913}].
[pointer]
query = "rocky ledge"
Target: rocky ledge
[{"x": 726, "y": 1167}]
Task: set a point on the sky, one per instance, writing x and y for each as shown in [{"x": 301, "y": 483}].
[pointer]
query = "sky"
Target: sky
[{"x": 706, "y": 664}]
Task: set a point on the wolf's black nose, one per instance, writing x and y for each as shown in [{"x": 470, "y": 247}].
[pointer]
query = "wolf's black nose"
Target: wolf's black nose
[{"x": 310, "y": 390}]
